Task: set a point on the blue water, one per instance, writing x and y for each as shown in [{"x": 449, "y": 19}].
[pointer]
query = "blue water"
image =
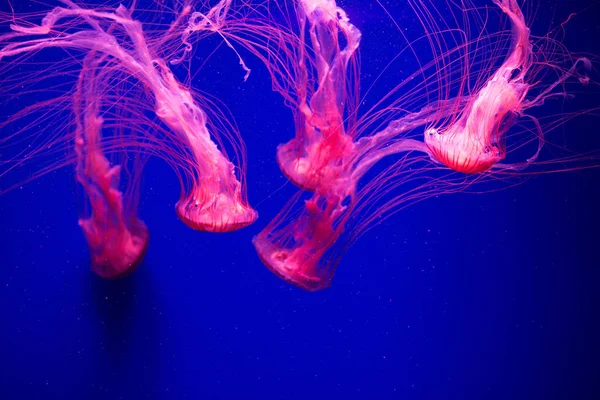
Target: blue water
[{"x": 490, "y": 296}]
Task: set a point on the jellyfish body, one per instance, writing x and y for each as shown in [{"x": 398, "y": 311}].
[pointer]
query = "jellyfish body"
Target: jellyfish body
[
  {"x": 318, "y": 153},
  {"x": 117, "y": 238},
  {"x": 293, "y": 250},
  {"x": 117, "y": 246},
  {"x": 117, "y": 241},
  {"x": 216, "y": 201},
  {"x": 294, "y": 244},
  {"x": 476, "y": 140}
]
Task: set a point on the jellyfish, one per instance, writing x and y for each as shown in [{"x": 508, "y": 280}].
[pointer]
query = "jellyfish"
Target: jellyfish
[
  {"x": 315, "y": 156},
  {"x": 128, "y": 88},
  {"x": 475, "y": 139},
  {"x": 118, "y": 240},
  {"x": 463, "y": 111}
]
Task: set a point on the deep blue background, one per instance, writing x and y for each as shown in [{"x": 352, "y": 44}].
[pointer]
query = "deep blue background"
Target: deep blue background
[{"x": 460, "y": 297}]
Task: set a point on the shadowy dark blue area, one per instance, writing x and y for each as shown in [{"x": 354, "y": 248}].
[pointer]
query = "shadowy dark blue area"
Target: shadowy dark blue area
[{"x": 487, "y": 296}]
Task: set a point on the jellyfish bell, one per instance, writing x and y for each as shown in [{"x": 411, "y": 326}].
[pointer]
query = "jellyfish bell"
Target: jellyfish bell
[
  {"x": 477, "y": 141},
  {"x": 314, "y": 163},
  {"x": 213, "y": 211},
  {"x": 296, "y": 266},
  {"x": 115, "y": 250},
  {"x": 464, "y": 155},
  {"x": 293, "y": 250}
]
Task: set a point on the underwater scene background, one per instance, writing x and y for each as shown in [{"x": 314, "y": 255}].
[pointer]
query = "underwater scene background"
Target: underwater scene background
[{"x": 463, "y": 296}]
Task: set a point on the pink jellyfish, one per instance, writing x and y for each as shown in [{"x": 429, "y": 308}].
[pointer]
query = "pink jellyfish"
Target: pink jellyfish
[
  {"x": 316, "y": 155},
  {"x": 475, "y": 138},
  {"x": 124, "y": 79},
  {"x": 117, "y": 238}
]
